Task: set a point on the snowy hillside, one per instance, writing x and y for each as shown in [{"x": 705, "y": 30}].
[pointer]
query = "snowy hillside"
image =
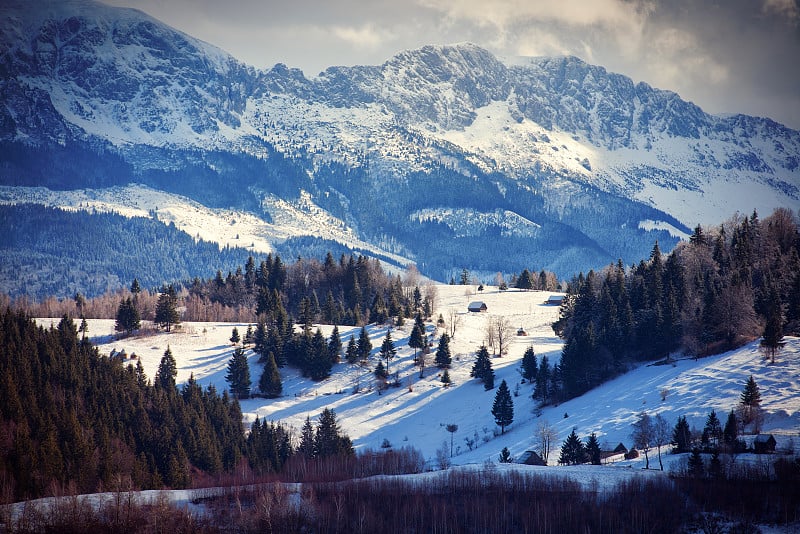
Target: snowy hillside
[{"x": 416, "y": 413}]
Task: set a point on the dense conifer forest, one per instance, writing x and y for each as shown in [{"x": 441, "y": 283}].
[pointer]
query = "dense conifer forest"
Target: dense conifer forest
[{"x": 718, "y": 290}]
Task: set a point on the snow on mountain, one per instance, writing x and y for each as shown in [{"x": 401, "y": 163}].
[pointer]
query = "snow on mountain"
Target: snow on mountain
[
  {"x": 588, "y": 155},
  {"x": 226, "y": 227},
  {"x": 416, "y": 413}
]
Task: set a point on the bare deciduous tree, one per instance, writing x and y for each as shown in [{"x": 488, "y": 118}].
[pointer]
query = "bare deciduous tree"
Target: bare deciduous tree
[
  {"x": 453, "y": 321},
  {"x": 545, "y": 437}
]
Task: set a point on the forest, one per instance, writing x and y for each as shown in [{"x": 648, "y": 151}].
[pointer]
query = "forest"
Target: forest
[{"x": 724, "y": 287}]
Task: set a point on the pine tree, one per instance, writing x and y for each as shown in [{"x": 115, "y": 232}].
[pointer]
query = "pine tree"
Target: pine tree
[
  {"x": 572, "y": 450},
  {"x": 443, "y": 358},
  {"x": 750, "y": 402},
  {"x": 772, "y": 338},
  {"x": 529, "y": 365},
  {"x": 238, "y": 375},
  {"x": 388, "y": 352},
  {"x": 417, "y": 339},
  {"x": 329, "y": 440},
  {"x": 380, "y": 371},
  {"x": 696, "y": 467},
  {"x": 730, "y": 434},
  {"x": 542, "y": 390},
  {"x": 593, "y": 449},
  {"x": 351, "y": 354},
  {"x": 364, "y": 345},
  {"x": 682, "y": 436},
  {"x": 128, "y": 319},
  {"x": 306, "y": 447},
  {"x": 167, "y": 371},
  {"x": 482, "y": 365},
  {"x": 446, "y": 378},
  {"x": 167, "y": 309},
  {"x": 270, "y": 383},
  {"x": 712, "y": 431},
  {"x": 335, "y": 346},
  {"x": 503, "y": 407}
]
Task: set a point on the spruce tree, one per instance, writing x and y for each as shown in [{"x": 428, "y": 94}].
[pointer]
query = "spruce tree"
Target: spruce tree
[
  {"x": 306, "y": 447},
  {"x": 772, "y": 338},
  {"x": 329, "y": 439},
  {"x": 696, "y": 467},
  {"x": 572, "y": 450},
  {"x": 542, "y": 390},
  {"x": 270, "y": 383},
  {"x": 388, "y": 352},
  {"x": 335, "y": 346},
  {"x": 750, "y": 402},
  {"x": 235, "y": 336},
  {"x": 505, "y": 456},
  {"x": 364, "y": 345},
  {"x": 503, "y": 407},
  {"x": 351, "y": 354},
  {"x": 482, "y": 365},
  {"x": 529, "y": 365},
  {"x": 443, "y": 358},
  {"x": 167, "y": 371},
  {"x": 238, "y": 375},
  {"x": 417, "y": 339},
  {"x": 446, "y": 378},
  {"x": 730, "y": 434},
  {"x": 682, "y": 436},
  {"x": 380, "y": 371},
  {"x": 128, "y": 319},
  {"x": 167, "y": 309},
  {"x": 593, "y": 449},
  {"x": 712, "y": 431}
]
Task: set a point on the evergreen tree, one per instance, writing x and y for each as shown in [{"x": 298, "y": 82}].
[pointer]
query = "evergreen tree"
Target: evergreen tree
[
  {"x": 542, "y": 390},
  {"x": 443, "y": 358},
  {"x": 388, "y": 352},
  {"x": 572, "y": 450},
  {"x": 380, "y": 371},
  {"x": 318, "y": 360},
  {"x": 715, "y": 469},
  {"x": 750, "y": 402},
  {"x": 167, "y": 309},
  {"x": 417, "y": 339},
  {"x": 446, "y": 378},
  {"x": 235, "y": 336},
  {"x": 505, "y": 456},
  {"x": 593, "y": 449},
  {"x": 127, "y": 317},
  {"x": 696, "y": 467},
  {"x": 482, "y": 365},
  {"x": 167, "y": 371},
  {"x": 306, "y": 447},
  {"x": 503, "y": 407},
  {"x": 529, "y": 365},
  {"x": 364, "y": 345},
  {"x": 351, "y": 354},
  {"x": 329, "y": 440},
  {"x": 525, "y": 280},
  {"x": 712, "y": 431},
  {"x": 682, "y": 435},
  {"x": 335, "y": 346},
  {"x": 772, "y": 337},
  {"x": 238, "y": 375},
  {"x": 730, "y": 434},
  {"x": 270, "y": 383}
]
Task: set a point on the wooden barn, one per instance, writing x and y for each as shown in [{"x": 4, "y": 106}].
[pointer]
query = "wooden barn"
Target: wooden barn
[{"x": 477, "y": 306}]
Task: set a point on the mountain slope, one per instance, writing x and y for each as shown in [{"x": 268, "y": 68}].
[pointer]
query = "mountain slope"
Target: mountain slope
[{"x": 447, "y": 155}]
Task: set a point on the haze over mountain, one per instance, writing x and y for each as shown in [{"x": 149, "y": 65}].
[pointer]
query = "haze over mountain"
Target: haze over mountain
[{"x": 445, "y": 156}]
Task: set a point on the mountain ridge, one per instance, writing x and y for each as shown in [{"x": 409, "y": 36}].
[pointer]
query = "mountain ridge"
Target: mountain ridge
[{"x": 586, "y": 154}]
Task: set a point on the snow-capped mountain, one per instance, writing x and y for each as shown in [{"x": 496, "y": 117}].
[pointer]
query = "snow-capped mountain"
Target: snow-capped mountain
[{"x": 446, "y": 156}]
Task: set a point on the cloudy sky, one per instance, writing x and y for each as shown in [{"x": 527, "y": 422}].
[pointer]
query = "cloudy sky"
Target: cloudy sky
[{"x": 724, "y": 55}]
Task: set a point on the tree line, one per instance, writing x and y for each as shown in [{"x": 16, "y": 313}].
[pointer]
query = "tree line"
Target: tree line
[
  {"x": 72, "y": 420},
  {"x": 722, "y": 288}
]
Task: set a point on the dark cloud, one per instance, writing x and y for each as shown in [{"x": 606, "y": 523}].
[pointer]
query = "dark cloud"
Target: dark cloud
[{"x": 727, "y": 56}]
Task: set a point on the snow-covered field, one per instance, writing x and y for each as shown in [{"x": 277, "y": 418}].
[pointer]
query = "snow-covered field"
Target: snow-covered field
[{"x": 416, "y": 413}]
